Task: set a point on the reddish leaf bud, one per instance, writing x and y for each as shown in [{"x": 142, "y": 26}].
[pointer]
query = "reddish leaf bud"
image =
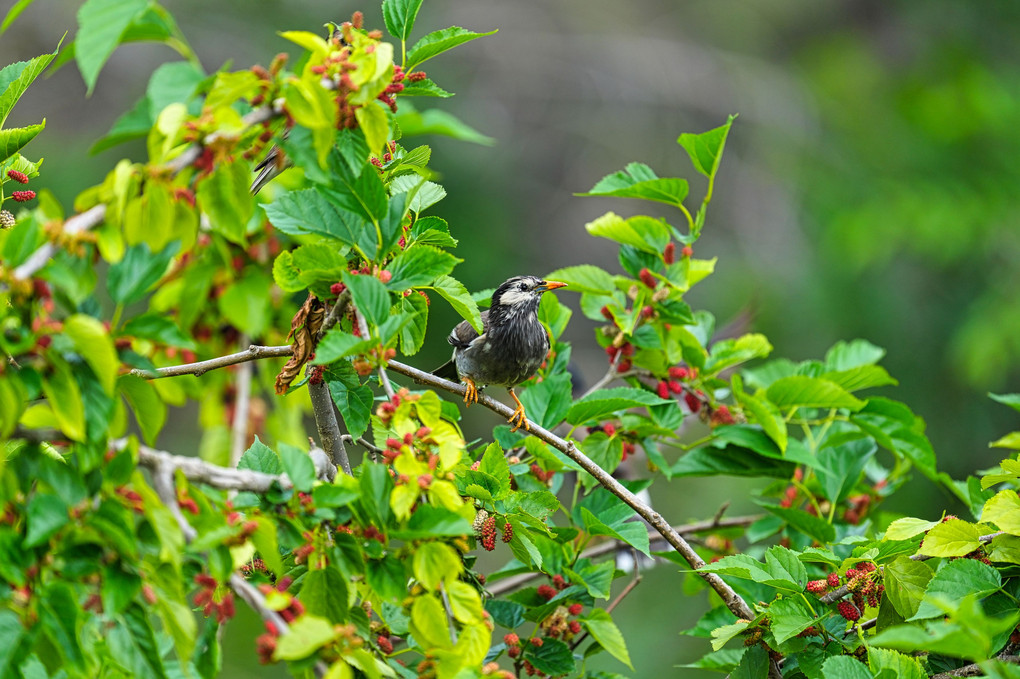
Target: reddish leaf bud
[{"x": 669, "y": 254}]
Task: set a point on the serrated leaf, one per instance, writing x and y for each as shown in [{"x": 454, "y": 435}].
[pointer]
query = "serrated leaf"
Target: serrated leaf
[
  {"x": 811, "y": 392},
  {"x": 601, "y": 626},
  {"x": 399, "y": 16},
  {"x": 13, "y": 139},
  {"x": 15, "y": 79},
  {"x": 355, "y": 406},
  {"x": 1003, "y": 509},
  {"x": 419, "y": 265},
  {"x": 638, "y": 180},
  {"x": 307, "y": 634},
  {"x": 437, "y": 42},
  {"x": 454, "y": 292},
  {"x": 956, "y": 580},
  {"x": 908, "y": 527},
  {"x": 585, "y": 278},
  {"x": 434, "y": 562},
  {"x": 905, "y": 582},
  {"x": 705, "y": 149},
  {"x": 954, "y": 537},
  {"x": 604, "y": 402}
]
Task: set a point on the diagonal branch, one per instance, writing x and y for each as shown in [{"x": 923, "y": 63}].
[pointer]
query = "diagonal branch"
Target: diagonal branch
[{"x": 732, "y": 600}]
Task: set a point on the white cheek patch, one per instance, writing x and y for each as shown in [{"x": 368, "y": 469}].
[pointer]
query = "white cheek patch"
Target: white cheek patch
[{"x": 513, "y": 297}]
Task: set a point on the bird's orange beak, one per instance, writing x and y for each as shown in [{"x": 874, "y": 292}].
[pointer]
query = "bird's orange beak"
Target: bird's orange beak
[{"x": 552, "y": 285}]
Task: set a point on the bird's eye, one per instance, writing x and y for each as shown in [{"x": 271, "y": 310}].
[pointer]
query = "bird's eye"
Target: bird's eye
[{"x": 523, "y": 287}]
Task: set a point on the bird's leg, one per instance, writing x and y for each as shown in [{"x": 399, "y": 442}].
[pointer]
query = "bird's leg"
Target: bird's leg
[
  {"x": 470, "y": 392},
  {"x": 518, "y": 419}
]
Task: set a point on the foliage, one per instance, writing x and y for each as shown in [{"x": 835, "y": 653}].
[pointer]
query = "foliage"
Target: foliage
[{"x": 125, "y": 561}]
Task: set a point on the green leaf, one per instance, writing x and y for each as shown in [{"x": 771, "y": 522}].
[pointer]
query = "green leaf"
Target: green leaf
[
  {"x": 434, "y": 562},
  {"x": 150, "y": 410},
  {"x": 324, "y": 593},
  {"x": 307, "y": 634},
  {"x": 374, "y": 124},
  {"x": 585, "y": 278},
  {"x": 956, "y": 580},
  {"x": 419, "y": 265},
  {"x": 905, "y": 582},
  {"x": 434, "y": 121},
  {"x": 369, "y": 296},
  {"x": 298, "y": 465},
  {"x": 954, "y": 537},
  {"x": 861, "y": 377},
  {"x": 428, "y": 623},
  {"x": 45, "y": 515},
  {"x": 605, "y": 402},
  {"x": 763, "y": 412},
  {"x": 15, "y": 79},
  {"x": 644, "y": 233},
  {"x": 225, "y": 196},
  {"x": 908, "y": 527},
  {"x": 157, "y": 327},
  {"x": 424, "y": 88},
  {"x": 129, "y": 279},
  {"x": 547, "y": 402},
  {"x": 781, "y": 570},
  {"x": 260, "y": 458},
  {"x": 844, "y": 356},
  {"x": 810, "y": 392},
  {"x": 101, "y": 23},
  {"x": 309, "y": 211},
  {"x": 839, "y": 467},
  {"x": 638, "y": 180},
  {"x": 1011, "y": 400},
  {"x": 1011, "y": 440},
  {"x": 812, "y": 526},
  {"x": 553, "y": 657},
  {"x": 336, "y": 344},
  {"x": 753, "y": 665},
  {"x": 12, "y": 140},
  {"x": 601, "y": 626},
  {"x": 95, "y": 346},
  {"x": 1003, "y": 509},
  {"x": 845, "y": 667},
  {"x": 399, "y": 16},
  {"x": 727, "y": 353},
  {"x": 12, "y": 14},
  {"x": 436, "y": 43},
  {"x": 706, "y": 149},
  {"x": 731, "y": 460},
  {"x": 454, "y": 292},
  {"x": 229, "y": 87},
  {"x": 789, "y": 618},
  {"x": 64, "y": 397},
  {"x": 722, "y": 635},
  {"x": 264, "y": 539},
  {"x": 243, "y": 302},
  {"x": 624, "y": 531},
  {"x": 354, "y": 404},
  {"x": 412, "y": 334}
]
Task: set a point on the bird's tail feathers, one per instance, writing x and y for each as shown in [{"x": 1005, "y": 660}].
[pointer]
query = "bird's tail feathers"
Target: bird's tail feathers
[{"x": 447, "y": 371}]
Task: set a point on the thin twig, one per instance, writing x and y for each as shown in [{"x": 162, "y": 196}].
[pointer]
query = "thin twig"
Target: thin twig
[
  {"x": 733, "y": 601},
  {"x": 449, "y": 612},
  {"x": 242, "y": 410},
  {"x": 720, "y": 512},
  {"x": 252, "y": 353},
  {"x": 213, "y": 475},
  {"x": 610, "y": 375}
]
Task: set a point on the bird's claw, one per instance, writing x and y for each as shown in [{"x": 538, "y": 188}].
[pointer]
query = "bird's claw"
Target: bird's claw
[
  {"x": 519, "y": 420},
  {"x": 470, "y": 392}
]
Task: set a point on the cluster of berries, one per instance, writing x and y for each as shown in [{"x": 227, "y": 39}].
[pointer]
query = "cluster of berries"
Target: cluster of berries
[
  {"x": 6, "y": 218},
  {"x": 864, "y": 587},
  {"x": 211, "y": 599}
]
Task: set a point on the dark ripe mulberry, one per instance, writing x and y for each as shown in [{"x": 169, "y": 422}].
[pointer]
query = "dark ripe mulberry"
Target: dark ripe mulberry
[
  {"x": 833, "y": 579},
  {"x": 508, "y": 532}
]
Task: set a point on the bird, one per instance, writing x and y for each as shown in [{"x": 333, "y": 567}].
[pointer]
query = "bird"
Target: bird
[{"x": 510, "y": 349}]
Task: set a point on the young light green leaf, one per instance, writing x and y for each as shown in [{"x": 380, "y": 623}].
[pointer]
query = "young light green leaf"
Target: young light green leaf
[
  {"x": 437, "y": 42},
  {"x": 306, "y": 635},
  {"x": 15, "y": 79},
  {"x": 638, "y": 180},
  {"x": 434, "y": 562},
  {"x": 905, "y": 583},
  {"x": 585, "y": 278},
  {"x": 150, "y": 410},
  {"x": 706, "y": 149},
  {"x": 954, "y": 537},
  {"x": 369, "y": 296},
  {"x": 93, "y": 344},
  {"x": 1003, "y": 509},
  {"x": 12, "y": 140},
  {"x": 224, "y": 195},
  {"x": 908, "y": 527}
]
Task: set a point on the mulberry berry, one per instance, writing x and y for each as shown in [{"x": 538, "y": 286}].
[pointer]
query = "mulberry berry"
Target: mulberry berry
[
  {"x": 22, "y": 196},
  {"x": 508, "y": 532},
  {"x": 489, "y": 534},
  {"x": 6, "y": 219},
  {"x": 19, "y": 177},
  {"x": 833, "y": 579},
  {"x": 849, "y": 611}
]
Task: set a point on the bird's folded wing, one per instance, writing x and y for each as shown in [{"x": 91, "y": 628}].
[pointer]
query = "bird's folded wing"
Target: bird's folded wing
[{"x": 463, "y": 334}]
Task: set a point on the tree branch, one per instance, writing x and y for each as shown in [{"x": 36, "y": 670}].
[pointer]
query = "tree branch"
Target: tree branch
[
  {"x": 199, "y": 471},
  {"x": 733, "y": 601},
  {"x": 242, "y": 410},
  {"x": 326, "y": 423},
  {"x": 252, "y": 353},
  {"x": 974, "y": 670}
]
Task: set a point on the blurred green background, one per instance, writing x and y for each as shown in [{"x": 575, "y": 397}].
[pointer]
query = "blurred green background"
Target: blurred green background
[{"x": 870, "y": 187}]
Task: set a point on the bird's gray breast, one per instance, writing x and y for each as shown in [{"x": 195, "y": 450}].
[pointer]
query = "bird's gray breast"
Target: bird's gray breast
[{"x": 505, "y": 355}]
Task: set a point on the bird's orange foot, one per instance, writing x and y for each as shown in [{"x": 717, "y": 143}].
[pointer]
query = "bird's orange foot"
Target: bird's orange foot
[
  {"x": 470, "y": 391},
  {"x": 518, "y": 419}
]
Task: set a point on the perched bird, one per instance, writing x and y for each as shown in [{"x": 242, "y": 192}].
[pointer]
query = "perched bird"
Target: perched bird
[{"x": 510, "y": 349}]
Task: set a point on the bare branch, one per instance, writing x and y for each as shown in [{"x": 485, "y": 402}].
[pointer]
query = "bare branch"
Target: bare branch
[
  {"x": 252, "y": 353},
  {"x": 77, "y": 224},
  {"x": 329, "y": 429},
  {"x": 733, "y": 601},
  {"x": 974, "y": 670},
  {"x": 242, "y": 409},
  {"x": 213, "y": 475}
]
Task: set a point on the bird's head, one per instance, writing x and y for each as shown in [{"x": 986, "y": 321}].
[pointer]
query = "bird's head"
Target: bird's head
[{"x": 521, "y": 293}]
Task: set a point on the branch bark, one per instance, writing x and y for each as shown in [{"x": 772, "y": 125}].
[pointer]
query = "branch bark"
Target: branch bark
[{"x": 252, "y": 353}]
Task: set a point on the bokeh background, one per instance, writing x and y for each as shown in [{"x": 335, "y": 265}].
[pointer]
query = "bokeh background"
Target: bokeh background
[{"x": 870, "y": 187}]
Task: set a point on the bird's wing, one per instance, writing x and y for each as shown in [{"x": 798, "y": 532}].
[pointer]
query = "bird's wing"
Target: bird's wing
[{"x": 463, "y": 334}]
